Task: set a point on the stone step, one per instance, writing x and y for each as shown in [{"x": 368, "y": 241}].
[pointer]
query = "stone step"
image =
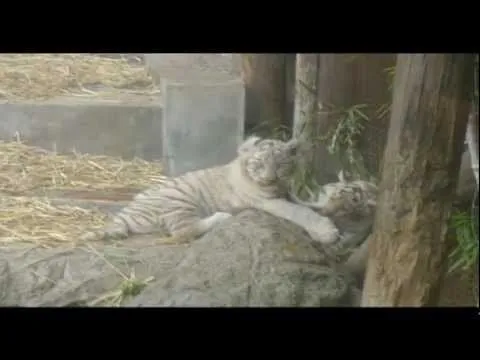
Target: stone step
[
  {"x": 195, "y": 122},
  {"x": 127, "y": 126}
]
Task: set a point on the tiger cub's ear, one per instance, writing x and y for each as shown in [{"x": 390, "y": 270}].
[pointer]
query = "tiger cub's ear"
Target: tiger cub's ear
[{"x": 248, "y": 145}]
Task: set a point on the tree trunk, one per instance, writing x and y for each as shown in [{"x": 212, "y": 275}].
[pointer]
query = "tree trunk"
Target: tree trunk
[
  {"x": 408, "y": 248},
  {"x": 472, "y": 141},
  {"x": 269, "y": 80},
  {"x": 472, "y": 127},
  {"x": 327, "y": 86}
]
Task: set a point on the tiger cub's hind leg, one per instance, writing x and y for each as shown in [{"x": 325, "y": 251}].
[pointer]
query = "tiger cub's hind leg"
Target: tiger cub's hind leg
[
  {"x": 114, "y": 229},
  {"x": 122, "y": 225}
]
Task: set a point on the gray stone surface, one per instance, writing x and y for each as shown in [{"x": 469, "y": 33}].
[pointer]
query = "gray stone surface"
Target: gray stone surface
[
  {"x": 204, "y": 123},
  {"x": 126, "y": 126},
  {"x": 252, "y": 259}
]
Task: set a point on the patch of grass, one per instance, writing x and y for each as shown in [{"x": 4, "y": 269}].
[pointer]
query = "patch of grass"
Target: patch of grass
[
  {"x": 128, "y": 288},
  {"x": 343, "y": 139},
  {"x": 465, "y": 254},
  {"x": 304, "y": 182}
]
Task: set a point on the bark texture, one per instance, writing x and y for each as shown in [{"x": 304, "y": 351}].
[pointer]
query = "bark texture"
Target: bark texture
[
  {"x": 269, "y": 81},
  {"x": 408, "y": 248},
  {"x": 472, "y": 141}
]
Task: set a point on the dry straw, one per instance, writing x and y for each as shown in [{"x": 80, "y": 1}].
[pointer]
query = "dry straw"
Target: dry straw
[
  {"x": 37, "y": 221},
  {"x": 34, "y": 76},
  {"x": 44, "y": 76},
  {"x": 26, "y": 169}
]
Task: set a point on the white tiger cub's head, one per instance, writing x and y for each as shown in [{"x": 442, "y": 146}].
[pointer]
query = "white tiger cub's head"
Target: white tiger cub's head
[
  {"x": 268, "y": 162},
  {"x": 348, "y": 199}
]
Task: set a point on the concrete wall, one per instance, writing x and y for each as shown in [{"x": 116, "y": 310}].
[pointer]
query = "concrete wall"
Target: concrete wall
[
  {"x": 204, "y": 106},
  {"x": 203, "y": 124},
  {"x": 121, "y": 127}
]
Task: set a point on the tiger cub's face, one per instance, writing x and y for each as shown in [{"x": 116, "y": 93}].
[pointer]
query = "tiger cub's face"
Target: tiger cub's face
[
  {"x": 343, "y": 199},
  {"x": 349, "y": 198},
  {"x": 267, "y": 161}
]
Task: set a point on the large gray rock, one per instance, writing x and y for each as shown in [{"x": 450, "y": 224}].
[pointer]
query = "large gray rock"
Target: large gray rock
[
  {"x": 34, "y": 276},
  {"x": 252, "y": 259}
]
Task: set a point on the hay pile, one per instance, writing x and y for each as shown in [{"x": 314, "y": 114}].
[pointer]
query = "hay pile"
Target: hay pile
[
  {"x": 44, "y": 76},
  {"x": 26, "y": 169},
  {"x": 37, "y": 221}
]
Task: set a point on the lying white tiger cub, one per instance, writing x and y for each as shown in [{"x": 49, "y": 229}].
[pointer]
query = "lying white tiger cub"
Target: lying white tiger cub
[
  {"x": 190, "y": 205},
  {"x": 351, "y": 205},
  {"x": 343, "y": 198}
]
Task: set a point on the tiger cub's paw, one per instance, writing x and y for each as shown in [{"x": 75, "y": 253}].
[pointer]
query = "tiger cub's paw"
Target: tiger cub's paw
[
  {"x": 220, "y": 216},
  {"x": 325, "y": 232}
]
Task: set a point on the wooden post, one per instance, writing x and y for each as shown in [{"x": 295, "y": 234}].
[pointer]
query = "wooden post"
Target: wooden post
[
  {"x": 268, "y": 92},
  {"x": 327, "y": 85},
  {"x": 407, "y": 252}
]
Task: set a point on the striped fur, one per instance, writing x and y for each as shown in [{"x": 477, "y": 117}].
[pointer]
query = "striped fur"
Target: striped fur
[
  {"x": 354, "y": 199},
  {"x": 189, "y": 205},
  {"x": 350, "y": 205}
]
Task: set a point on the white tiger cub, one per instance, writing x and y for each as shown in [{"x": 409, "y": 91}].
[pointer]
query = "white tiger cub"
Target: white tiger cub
[
  {"x": 188, "y": 206},
  {"x": 349, "y": 204},
  {"x": 343, "y": 198}
]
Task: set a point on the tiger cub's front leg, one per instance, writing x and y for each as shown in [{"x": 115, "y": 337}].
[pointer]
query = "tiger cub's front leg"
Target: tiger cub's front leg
[
  {"x": 320, "y": 228},
  {"x": 195, "y": 227}
]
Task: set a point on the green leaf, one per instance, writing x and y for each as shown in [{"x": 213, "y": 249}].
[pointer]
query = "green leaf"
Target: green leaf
[{"x": 361, "y": 114}]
